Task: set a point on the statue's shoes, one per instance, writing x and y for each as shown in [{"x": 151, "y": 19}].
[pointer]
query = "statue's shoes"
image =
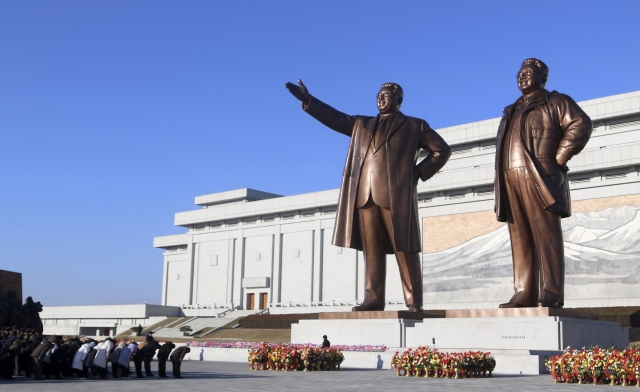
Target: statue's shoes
[
  {"x": 415, "y": 308},
  {"x": 549, "y": 304},
  {"x": 366, "y": 308},
  {"x": 511, "y": 305}
]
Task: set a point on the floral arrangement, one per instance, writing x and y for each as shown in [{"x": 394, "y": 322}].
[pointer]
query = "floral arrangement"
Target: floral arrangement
[
  {"x": 596, "y": 366},
  {"x": 255, "y": 346},
  {"x": 294, "y": 357},
  {"x": 427, "y": 362}
]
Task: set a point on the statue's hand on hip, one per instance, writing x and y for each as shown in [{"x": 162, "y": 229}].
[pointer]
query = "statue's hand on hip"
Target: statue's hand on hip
[
  {"x": 562, "y": 161},
  {"x": 299, "y": 92}
]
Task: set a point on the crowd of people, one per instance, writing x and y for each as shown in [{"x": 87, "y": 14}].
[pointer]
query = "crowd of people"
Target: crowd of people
[{"x": 24, "y": 352}]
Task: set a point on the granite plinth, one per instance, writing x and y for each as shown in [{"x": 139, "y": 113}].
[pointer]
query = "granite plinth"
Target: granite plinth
[
  {"x": 391, "y": 332},
  {"x": 550, "y": 333},
  {"x": 382, "y": 314},
  {"x": 521, "y": 312},
  {"x": 520, "y": 338}
]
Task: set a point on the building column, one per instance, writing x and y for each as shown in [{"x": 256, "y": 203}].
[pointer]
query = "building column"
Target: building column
[
  {"x": 190, "y": 257},
  {"x": 238, "y": 269},
  {"x": 316, "y": 296},
  {"x": 231, "y": 251},
  {"x": 196, "y": 269},
  {"x": 276, "y": 286}
]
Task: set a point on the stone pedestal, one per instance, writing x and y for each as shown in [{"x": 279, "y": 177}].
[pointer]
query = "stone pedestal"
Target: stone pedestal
[
  {"x": 520, "y": 339},
  {"x": 390, "y": 332}
]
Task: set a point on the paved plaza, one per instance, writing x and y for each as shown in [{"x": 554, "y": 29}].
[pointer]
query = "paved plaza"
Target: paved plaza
[{"x": 223, "y": 376}]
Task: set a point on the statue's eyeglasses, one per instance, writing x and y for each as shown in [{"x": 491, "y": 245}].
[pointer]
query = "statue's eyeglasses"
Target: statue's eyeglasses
[{"x": 384, "y": 95}]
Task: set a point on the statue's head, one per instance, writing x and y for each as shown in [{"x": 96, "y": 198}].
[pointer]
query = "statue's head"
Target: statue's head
[
  {"x": 390, "y": 98},
  {"x": 532, "y": 76}
]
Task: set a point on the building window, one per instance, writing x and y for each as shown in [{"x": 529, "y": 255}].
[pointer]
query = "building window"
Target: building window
[
  {"x": 614, "y": 176},
  {"x": 465, "y": 150},
  {"x": 580, "y": 180}
]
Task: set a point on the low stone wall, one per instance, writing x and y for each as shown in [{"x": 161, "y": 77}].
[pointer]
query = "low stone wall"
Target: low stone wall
[
  {"x": 275, "y": 321},
  {"x": 352, "y": 359}
]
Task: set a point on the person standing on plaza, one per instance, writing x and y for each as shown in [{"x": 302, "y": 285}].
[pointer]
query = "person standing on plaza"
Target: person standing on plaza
[
  {"x": 116, "y": 370},
  {"x": 163, "y": 355},
  {"x": 100, "y": 361},
  {"x": 325, "y": 342},
  {"x": 79, "y": 358},
  {"x": 37, "y": 355},
  {"x": 176, "y": 359},
  {"x": 125, "y": 357},
  {"x": 149, "y": 352}
]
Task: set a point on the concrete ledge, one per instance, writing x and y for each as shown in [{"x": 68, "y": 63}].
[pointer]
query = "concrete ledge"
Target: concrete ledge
[
  {"x": 520, "y": 312},
  {"x": 382, "y": 314},
  {"x": 507, "y": 361}
]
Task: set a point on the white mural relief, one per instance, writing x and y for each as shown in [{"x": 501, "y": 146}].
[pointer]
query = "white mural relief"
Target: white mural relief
[{"x": 602, "y": 257}]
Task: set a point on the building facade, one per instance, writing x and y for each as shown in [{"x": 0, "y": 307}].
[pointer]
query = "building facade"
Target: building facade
[{"x": 247, "y": 249}]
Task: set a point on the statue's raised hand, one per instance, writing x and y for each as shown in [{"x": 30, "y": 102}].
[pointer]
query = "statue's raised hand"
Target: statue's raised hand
[{"x": 299, "y": 92}]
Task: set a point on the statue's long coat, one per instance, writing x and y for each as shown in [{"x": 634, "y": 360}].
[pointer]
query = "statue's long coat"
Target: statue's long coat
[{"x": 406, "y": 137}]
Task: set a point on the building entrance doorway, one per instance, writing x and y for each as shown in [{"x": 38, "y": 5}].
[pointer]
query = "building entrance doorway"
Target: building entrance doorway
[
  {"x": 263, "y": 301},
  {"x": 250, "y": 299}
]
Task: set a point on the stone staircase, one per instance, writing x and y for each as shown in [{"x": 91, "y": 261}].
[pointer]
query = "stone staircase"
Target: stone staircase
[{"x": 202, "y": 326}]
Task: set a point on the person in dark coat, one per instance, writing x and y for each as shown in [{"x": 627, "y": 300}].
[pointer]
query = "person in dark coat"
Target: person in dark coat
[
  {"x": 67, "y": 358},
  {"x": 57, "y": 358},
  {"x": 163, "y": 355},
  {"x": 37, "y": 355},
  {"x": 6, "y": 356},
  {"x": 149, "y": 352},
  {"x": 325, "y": 342},
  {"x": 139, "y": 330},
  {"x": 16, "y": 348},
  {"x": 25, "y": 360},
  {"x": 116, "y": 370},
  {"x": 176, "y": 359}
]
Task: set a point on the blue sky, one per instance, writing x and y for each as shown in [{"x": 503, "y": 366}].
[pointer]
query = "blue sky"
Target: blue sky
[{"x": 114, "y": 115}]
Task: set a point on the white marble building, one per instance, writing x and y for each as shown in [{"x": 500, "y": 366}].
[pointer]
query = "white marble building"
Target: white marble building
[{"x": 247, "y": 249}]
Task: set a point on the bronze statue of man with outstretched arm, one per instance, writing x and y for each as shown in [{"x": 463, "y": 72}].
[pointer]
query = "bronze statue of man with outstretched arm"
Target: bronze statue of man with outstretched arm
[{"x": 378, "y": 203}]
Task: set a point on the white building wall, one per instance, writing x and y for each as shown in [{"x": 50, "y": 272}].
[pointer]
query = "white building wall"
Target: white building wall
[
  {"x": 278, "y": 228},
  {"x": 178, "y": 279},
  {"x": 213, "y": 265},
  {"x": 339, "y": 271},
  {"x": 297, "y": 267}
]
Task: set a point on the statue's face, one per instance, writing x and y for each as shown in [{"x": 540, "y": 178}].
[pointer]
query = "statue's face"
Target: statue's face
[
  {"x": 530, "y": 80},
  {"x": 388, "y": 102}
]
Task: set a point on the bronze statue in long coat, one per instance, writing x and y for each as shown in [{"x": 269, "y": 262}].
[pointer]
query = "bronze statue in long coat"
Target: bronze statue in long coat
[
  {"x": 378, "y": 204},
  {"x": 537, "y": 136}
]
